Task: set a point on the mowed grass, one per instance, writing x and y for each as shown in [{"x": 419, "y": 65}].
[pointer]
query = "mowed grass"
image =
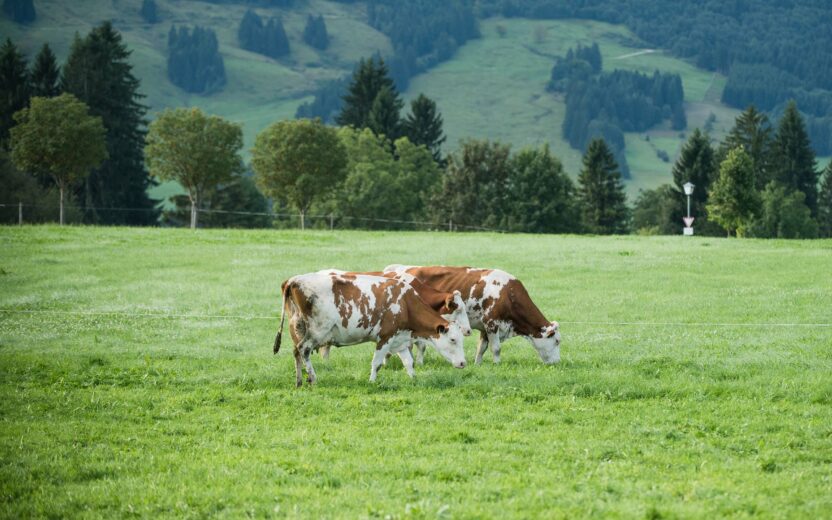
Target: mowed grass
[{"x": 117, "y": 415}]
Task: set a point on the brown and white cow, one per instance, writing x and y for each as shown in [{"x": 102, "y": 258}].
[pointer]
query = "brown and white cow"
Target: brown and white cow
[
  {"x": 345, "y": 309},
  {"x": 448, "y": 304},
  {"x": 498, "y": 306}
]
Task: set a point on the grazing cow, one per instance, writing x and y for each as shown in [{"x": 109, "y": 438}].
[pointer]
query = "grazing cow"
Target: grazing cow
[
  {"x": 448, "y": 304},
  {"x": 498, "y": 306},
  {"x": 345, "y": 309}
]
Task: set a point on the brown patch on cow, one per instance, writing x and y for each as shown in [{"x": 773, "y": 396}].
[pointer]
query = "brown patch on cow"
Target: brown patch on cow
[{"x": 347, "y": 295}]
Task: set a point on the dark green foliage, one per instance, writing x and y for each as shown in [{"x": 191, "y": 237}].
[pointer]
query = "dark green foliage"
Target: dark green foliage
[
  {"x": 825, "y": 203},
  {"x": 655, "y": 210},
  {"x": 733, "y": 203},
  {"x": 327, "y": 103},
  {"x": 423, "y": 125},
  {"x": 604, "y": 105},
  {"x": 784, "y": 214},
  {"x": 474, "y": 188},
  {"x": 149, "y": 12},
  {"x": 315, "y": 34},
  {"x": 696, "y": 164},
  {"x": 14, "y": 86},
  {"x": 601, "y": 195},
  {"x": 45, "y": 74},
  {"x": 384, "y": 114},
  {"x": 40, "y": 201},
  {"x": 21, "y": 11},
  {"x": 369, "y": 79},
  {"x": 267, "y": 38},
  {"x": 423, "y": 33},
  {"x": 751, "y": 131},
  {"x": 541, "y": 196},
  {"x": 98, "y": 72},
  {"x": 194, "y": 62},
  {"x": 793, "y": 160},
  {"x": 238, "y": 195}
]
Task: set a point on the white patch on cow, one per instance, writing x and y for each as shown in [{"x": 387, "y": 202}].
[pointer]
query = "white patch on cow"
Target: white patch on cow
[{"x": 396, "y": 308}]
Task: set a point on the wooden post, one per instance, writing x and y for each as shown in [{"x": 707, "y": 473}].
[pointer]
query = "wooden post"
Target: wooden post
[
  {"x": 331, "y": 222},
  {"x": 450, "y": 224},
  {"x": 19, "y": 213}
]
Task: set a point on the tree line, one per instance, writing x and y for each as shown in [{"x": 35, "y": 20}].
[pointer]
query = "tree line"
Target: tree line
[
  {"x": 606, "y": 105},
  {"x": 96, "y": 72}
]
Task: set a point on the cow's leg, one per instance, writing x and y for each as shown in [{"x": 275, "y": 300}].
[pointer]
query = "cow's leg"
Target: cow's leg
[
  {"x": 494, "y": 341},
  {"x": 325, "y": 351},
  {"x": 407, "y": 361},
  {"x": 298, "y": 369},
  {"x": 420, "y": 353},
  {"x": 482, "y": 346},
  {"x": 310, "y": 370},
  {"x": 378, "y": 359}
]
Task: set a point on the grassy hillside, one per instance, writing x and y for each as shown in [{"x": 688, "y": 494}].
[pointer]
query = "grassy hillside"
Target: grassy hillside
[
  {"x": 509, "y": 73},
  {"x": 493, "y": 88},
  {"x": 656, "y": 410}
]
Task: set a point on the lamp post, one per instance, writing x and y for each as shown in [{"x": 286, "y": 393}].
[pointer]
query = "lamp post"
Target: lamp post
[{"x": 688, "y": 229}]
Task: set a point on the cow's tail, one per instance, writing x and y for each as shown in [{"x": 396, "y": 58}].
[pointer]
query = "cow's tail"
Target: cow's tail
[{"x": 285, "y": 288}]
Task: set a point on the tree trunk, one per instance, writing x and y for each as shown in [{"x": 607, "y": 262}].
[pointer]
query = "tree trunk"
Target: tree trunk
[
  {"x": 61, "y": 189},
  {"x": 302, "y": 220},
  {"x": 194, "y": 211}
]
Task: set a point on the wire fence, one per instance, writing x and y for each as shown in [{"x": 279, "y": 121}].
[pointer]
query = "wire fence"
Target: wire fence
[
  {"x": 276, "y": 316},
  {"x": 20, "y": 213}
]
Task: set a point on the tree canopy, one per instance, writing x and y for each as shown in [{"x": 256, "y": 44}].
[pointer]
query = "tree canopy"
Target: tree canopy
[
  {"x": 733, "y": 201},
  {"x": 600, "y": 192}
]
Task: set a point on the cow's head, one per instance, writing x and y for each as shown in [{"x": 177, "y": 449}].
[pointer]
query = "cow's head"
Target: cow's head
[
  {"x": 547, "y": 343},
  {"x": 448, "y": 342},
  {"x": 457, "y": 312}
]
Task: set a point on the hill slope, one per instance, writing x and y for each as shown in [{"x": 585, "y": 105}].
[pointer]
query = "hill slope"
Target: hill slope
[{"x": 492, "y": 88}]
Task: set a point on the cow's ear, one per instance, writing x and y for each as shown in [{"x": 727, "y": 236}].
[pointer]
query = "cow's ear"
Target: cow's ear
[
  {"x": 552, "y": 329},
  {"x": 450, "y": 303},
  {"x": 441, "y": 328}
]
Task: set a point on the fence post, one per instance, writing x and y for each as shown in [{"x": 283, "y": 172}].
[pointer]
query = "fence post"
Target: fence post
[
  {"x": 450, "y": 224},
  {"x": 331, "y": 222},
  {"x": 19, "y": 213}
]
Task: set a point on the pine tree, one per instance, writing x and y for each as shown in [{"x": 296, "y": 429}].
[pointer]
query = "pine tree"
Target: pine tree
[
  {"x": 21, "y": 11},
  {"x": 423, "y": 125},
  {"x": 696, "y": 165},
  {"x": 45, "y": 74},
  {"x": 367, "y": 81},
  {"x": 14, "y": 86},
  {"x": 315, "y": 33},
  {"x": 601, "y": 193},
  {"x": 733, "y": 202},
  {"x": 99, "y": 73},
  {"x": 752, "y": 131},
  {"x": 384, "y": 116},
  {"x": 149, "y": 12},
  {"x": 825, "y": 203},
  {"x": 792, "y": 157}
]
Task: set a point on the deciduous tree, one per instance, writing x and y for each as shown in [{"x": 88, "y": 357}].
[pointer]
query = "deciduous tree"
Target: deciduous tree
[
  {"x": 58, "y": 137},
  {"x": 299, "y": 162},
  {"x": 733, "y": 202},
  {"x": 825, "y": 203},
  {"x": 196, "y": 150}
]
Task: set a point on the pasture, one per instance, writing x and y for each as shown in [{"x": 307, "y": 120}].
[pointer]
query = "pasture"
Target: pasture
[{"x": 668, "y": 402}]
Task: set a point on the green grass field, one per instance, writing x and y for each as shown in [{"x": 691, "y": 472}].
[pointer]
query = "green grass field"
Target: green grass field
[{"x": 121, "y": 415}]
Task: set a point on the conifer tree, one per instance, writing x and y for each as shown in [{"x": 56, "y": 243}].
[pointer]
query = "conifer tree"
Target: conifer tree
[
  {"x": 825, "y": 203},
  {"x": 315, "y": 33},
  {"x": 149, "y": 12},
  {"x": 45, "y": 74},
  {"x": 733, "y": 202},
  {"x": 384, "y": 115},
  {"x": 601, "y": 193},
  {"x": 752, "y": 130},
  {"x": 98, "y": 72},
  {"x": 423, "y": 125},
  {"x": 21, "y": 11},
  {"x": 792, "y": 157},
  {"x": 14, "y": 86},
  {"x": 696, "y": 165},
  {"x": 367, "y": 81}
]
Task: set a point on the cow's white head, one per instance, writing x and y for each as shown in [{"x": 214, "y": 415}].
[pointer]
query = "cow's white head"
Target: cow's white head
[
  {"x": 448, "y": 342},
  {"x": 548, "y": 344},
  {"x": 459, "y": 313}
]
